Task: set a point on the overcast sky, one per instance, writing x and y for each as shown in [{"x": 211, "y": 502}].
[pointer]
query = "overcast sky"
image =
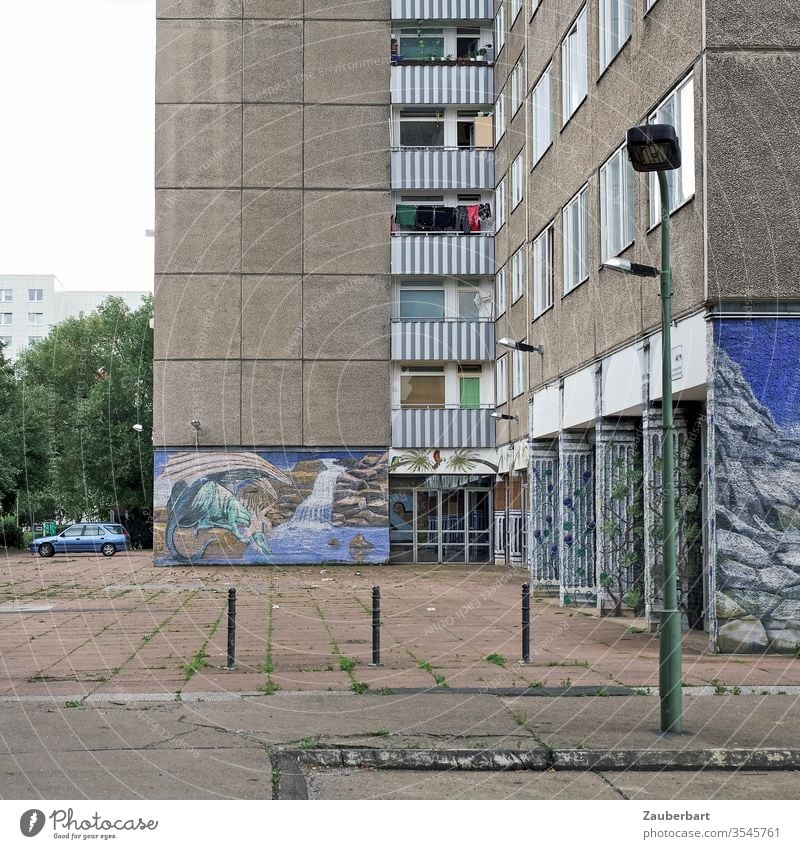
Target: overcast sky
[{"x": 76, "y": 141}]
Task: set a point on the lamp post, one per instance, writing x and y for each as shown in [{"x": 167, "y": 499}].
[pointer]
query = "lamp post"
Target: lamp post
[{"x": 654, "y": 147}]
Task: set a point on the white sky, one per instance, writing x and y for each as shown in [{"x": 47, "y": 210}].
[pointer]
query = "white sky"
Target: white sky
[{"x": 76, "y": 141}]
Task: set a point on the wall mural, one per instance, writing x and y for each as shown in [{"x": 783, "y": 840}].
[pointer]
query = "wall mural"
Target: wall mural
[
  {"x": 757, "y": 468},
  {"x": 288, "y": 507}
]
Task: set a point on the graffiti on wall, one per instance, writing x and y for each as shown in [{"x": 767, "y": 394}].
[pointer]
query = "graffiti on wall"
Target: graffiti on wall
[
  {"x": 247, "y": 507},
  {"x": 757, "y": 467}
]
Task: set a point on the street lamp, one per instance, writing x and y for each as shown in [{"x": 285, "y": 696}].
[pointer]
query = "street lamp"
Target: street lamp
[
  {"x": 515, "y": 345},
  {"x": 654, "y": 147},
  {"x": 504, "y": 416}
]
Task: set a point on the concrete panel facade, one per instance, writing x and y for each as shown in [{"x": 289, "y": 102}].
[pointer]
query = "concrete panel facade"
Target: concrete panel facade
[{"x": 272, "y": 160}]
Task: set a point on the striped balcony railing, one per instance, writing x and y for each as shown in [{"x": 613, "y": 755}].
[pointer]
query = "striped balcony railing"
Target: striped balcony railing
[
  {"x": 442, "y": 340},
  {"x": 450, "y": 254},
  {"x": 441, "y": 84},
  {"x": 442, "y": 168},
  {"x": 443, "y": 427},
  {"x": 442, "y": 10}
]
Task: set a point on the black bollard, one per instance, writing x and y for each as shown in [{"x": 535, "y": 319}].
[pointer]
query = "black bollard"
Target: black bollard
[
  {"x": 376, "y": 627},
  {"x": 526, "y": 623},
  {"x": 231, "y": 628}
]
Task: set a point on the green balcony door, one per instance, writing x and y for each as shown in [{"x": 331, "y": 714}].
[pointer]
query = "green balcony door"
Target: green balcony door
[{"x": 469, "y": 393}]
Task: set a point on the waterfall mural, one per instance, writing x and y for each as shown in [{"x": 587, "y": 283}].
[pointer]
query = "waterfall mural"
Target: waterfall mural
[
  {"x": 756, "y": 458},
  {"x": 244, "y": 507}
]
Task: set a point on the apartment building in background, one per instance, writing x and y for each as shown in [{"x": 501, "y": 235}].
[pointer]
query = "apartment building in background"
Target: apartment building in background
[
  {"x": 324, "y": 336},
  {"x": 31, "y": 304},
  {"x": 579, "y": 455}
]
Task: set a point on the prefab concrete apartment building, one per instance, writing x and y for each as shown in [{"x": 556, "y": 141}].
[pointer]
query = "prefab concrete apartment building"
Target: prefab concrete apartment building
[{"x": 355, "y": 200}]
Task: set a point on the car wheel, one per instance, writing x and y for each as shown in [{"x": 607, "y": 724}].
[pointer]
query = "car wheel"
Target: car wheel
[
  {"x": 46, "y": 549},
  {"x": 108, "y": 549}
]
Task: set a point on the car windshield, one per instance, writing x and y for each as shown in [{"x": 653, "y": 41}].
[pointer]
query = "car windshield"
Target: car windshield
[{"x": 114, "y": 529}]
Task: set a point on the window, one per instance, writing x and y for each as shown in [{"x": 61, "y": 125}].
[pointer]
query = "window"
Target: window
[
  {"x": 517, "y": 87},
  {"x": 422, "y": 301},
  {"x": 500, "y": 117},
  {"x": 516, "y": 5},
  {"x": 422, "y": 43},
  {"x": 542, "y": 262},
  {"x": 468, "y": 42},
  {"x": 74, "y": 531},
  {"x": 469, "y": 301},
  {"x": 5, "y": 317},
  {"x": 648, "y": 5},
  {"x": 92, "y": 531},
  {"x": 542, "y": 114},
  {"x": 517, "y": 180},
  {"x": 422, "y": 386},
  {"x": 466, "y": 129},
  {"x": 616, "y": 205},
  {"x": 500, "y": 293},
  {"x": 500, "y": 203},
  {"x": 5, "y": 341},
  {"x": 32, "y": 340},
  {"x": 499, "y": 29},
  {"x": 469, "y": 387},
  {"x": 678, "y": 110},
  {"x": 36, "y": 318},
  {"x": 421, "y": 128},
  {"x": 573, "y": 67},
  {"x": 501, "y": 380},
  {"x": 36, "y": 295},
  {"x": 575, "y": 223},
  {"x": 517, "y": 275},
  {"x": 517, "y": 373},
  {"x": 6, "y": 295},
  {"x": 615, "y": 27}
]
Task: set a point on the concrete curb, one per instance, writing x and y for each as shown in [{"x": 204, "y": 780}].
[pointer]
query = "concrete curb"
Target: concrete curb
[{"x": 576, "y": 760}]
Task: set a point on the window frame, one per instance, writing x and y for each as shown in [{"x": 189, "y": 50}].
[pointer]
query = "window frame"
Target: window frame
[
  {"x": 422, "y": 371},
  {"x": 32, "y": 319},
  {"x": 581, "y": 197},
  {"x": 4, "y": 299},
  {"x": 500, "y": 117},
  {"x": 517, "y": 274},
  {"x": 518, "y": 379},
  {"x": 537, "y": 110},
  {"x": 610, "y": 43},
  {"x": 518, "y": 180},
  {"x": 687, "y": 169},
  {"x": 517, "y": 77},
  {"x": 500, "y": 292},
  {"x": 499, "y": 30},
  {"x": 6, "y": 319},
  {"x": 576, "y": 29},
  {"x": 500, "y": 204},
  {"x": 543, "y": 287},
  {"x": 516, "y": 8},
  {"x": 35, "y": 300},
  {"x": 625, "y": 213},
  {"x": 501, "y": 380}
]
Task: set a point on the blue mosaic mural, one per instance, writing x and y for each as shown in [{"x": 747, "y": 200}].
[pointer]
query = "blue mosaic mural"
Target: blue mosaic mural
[
  {"x": 757, "y": 482},
  {"x": 240, "y": 507}
]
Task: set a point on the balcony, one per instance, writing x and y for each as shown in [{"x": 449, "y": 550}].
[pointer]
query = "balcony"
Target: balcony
[
  {"x": 452, "y": 339},
  {"x": 442, "y": 83},
  {"x": 442, "y": 10},
  {"x": 443, "y": 427},
  {"x": 443, "y": 254},
  {"x": 460, "y": 168}
]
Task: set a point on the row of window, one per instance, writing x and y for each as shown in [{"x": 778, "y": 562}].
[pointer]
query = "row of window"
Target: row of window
[
  {"x": 6, "y": 341},
  {"x": 615, "y": 20},
  {"x": 617, "y": 213},
  {"x": 34, "y": 295},
  {"x": 437, "y": 300},
  {"x": 34, "y": 318}
]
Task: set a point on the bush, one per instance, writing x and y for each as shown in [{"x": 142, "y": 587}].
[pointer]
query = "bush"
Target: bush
[{"x": 10, "y": 533}]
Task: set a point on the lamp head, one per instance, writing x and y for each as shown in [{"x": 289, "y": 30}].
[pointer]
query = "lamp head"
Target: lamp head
[
  {"x": 654, "y": 147},
  {"x": 195, "y": 423},
  {"x": 138, "y": 428}
]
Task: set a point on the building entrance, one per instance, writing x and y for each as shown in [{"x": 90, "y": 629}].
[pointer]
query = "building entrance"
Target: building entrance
[{"x": 440, "y": 519}]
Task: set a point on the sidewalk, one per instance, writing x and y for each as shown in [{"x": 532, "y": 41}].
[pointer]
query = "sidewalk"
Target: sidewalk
[
  {"x": 305, "y": 745},
  {"x": 94, "y": 627}
]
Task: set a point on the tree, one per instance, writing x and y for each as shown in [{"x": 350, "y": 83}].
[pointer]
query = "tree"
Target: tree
[{"x": 78, "y": 393}]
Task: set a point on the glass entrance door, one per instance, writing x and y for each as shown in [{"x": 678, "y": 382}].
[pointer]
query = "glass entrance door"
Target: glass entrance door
[
  {"x": 453, "y": 542},
  {"x": 427, "y": 526},
  {"x": 479, "y": 518}
]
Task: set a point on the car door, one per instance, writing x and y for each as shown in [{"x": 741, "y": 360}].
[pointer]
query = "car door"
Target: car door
[
  {"x": 93, "y": 537},
  {"x": 70, "y": 540}
]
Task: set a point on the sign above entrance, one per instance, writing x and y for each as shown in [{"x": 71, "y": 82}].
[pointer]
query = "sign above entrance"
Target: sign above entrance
[{"x": 442, "y": 461}]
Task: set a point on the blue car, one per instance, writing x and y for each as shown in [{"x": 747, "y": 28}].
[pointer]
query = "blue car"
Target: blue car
[{"x": 95, "y": 537}]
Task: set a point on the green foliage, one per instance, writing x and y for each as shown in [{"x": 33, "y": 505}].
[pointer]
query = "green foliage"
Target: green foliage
[
  {"x": 496, "y": 659},
  {"x": 11, "y": 535},
  {"x": 67, "y": 450}
]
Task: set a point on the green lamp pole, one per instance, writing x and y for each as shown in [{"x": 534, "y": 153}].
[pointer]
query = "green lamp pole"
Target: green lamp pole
[
  {"x": 669, "y": 650},
  {"x": 654, "y": 147}
]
